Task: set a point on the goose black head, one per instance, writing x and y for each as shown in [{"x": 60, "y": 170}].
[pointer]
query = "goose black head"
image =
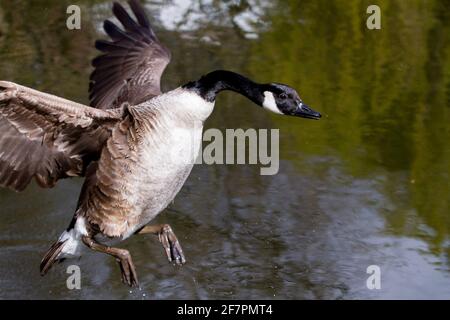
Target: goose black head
[{"x": 282, "y": 99}]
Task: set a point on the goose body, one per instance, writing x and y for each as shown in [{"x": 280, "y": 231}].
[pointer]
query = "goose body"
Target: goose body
[
  {"x": 151, "y": 170},
  {"x": 135, "y": 145},
  {"x": 165, "y": 135}
]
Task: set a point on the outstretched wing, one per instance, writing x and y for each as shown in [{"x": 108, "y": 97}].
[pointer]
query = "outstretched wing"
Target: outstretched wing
[
  {"x": 47, "y": 137},
  {"x": 131, "y": 66}
]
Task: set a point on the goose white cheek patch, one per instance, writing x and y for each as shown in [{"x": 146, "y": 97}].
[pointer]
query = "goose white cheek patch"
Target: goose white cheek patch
[{"x": 269, "y": 102}]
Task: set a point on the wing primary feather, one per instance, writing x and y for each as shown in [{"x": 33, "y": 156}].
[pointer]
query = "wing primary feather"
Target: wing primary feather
[
  {"x": 128, "y": 23},
  {"x": 115, "y": 32},
  {"x": 139, "y": 12},
  {"x": 107, "y": 46}
]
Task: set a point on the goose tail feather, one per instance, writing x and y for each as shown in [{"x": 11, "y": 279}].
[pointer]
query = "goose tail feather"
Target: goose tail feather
[{"x": 51, "y": 256}]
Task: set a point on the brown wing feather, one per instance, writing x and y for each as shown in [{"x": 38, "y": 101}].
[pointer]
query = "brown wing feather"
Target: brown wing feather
[
  {"x": 106, "y": 199},
  {"x": 47, "y": 137},
  {"x": 131, "y": 66}
]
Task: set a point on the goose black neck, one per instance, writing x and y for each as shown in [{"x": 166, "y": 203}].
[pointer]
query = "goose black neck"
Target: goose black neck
[{"x": 211, "y": 84}]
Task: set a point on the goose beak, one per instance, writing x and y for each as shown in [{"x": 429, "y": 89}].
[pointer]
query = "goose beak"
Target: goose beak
[{"x": 306, "y": 112}]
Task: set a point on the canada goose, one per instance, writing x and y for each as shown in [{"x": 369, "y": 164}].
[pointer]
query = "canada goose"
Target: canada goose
[{"x": 120, "y": 143}]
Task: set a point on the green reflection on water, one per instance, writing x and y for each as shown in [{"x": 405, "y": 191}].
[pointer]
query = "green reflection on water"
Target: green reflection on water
[{"x": 384, "y": 93}]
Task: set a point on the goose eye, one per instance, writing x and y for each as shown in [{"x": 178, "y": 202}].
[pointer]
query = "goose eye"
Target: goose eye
[{"x": 282, "y": 95}]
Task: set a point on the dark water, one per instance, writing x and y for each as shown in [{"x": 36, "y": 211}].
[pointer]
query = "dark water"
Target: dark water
[{"x": 366, "y": 185}]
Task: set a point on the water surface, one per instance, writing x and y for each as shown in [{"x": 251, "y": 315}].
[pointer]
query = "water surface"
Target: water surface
[{"x": 366, "y": 185}]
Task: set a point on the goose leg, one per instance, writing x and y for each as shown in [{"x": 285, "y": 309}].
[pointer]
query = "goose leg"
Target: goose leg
[
  {"x": 168, "y": 240},
  {"x": 123, "y": 257}
]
